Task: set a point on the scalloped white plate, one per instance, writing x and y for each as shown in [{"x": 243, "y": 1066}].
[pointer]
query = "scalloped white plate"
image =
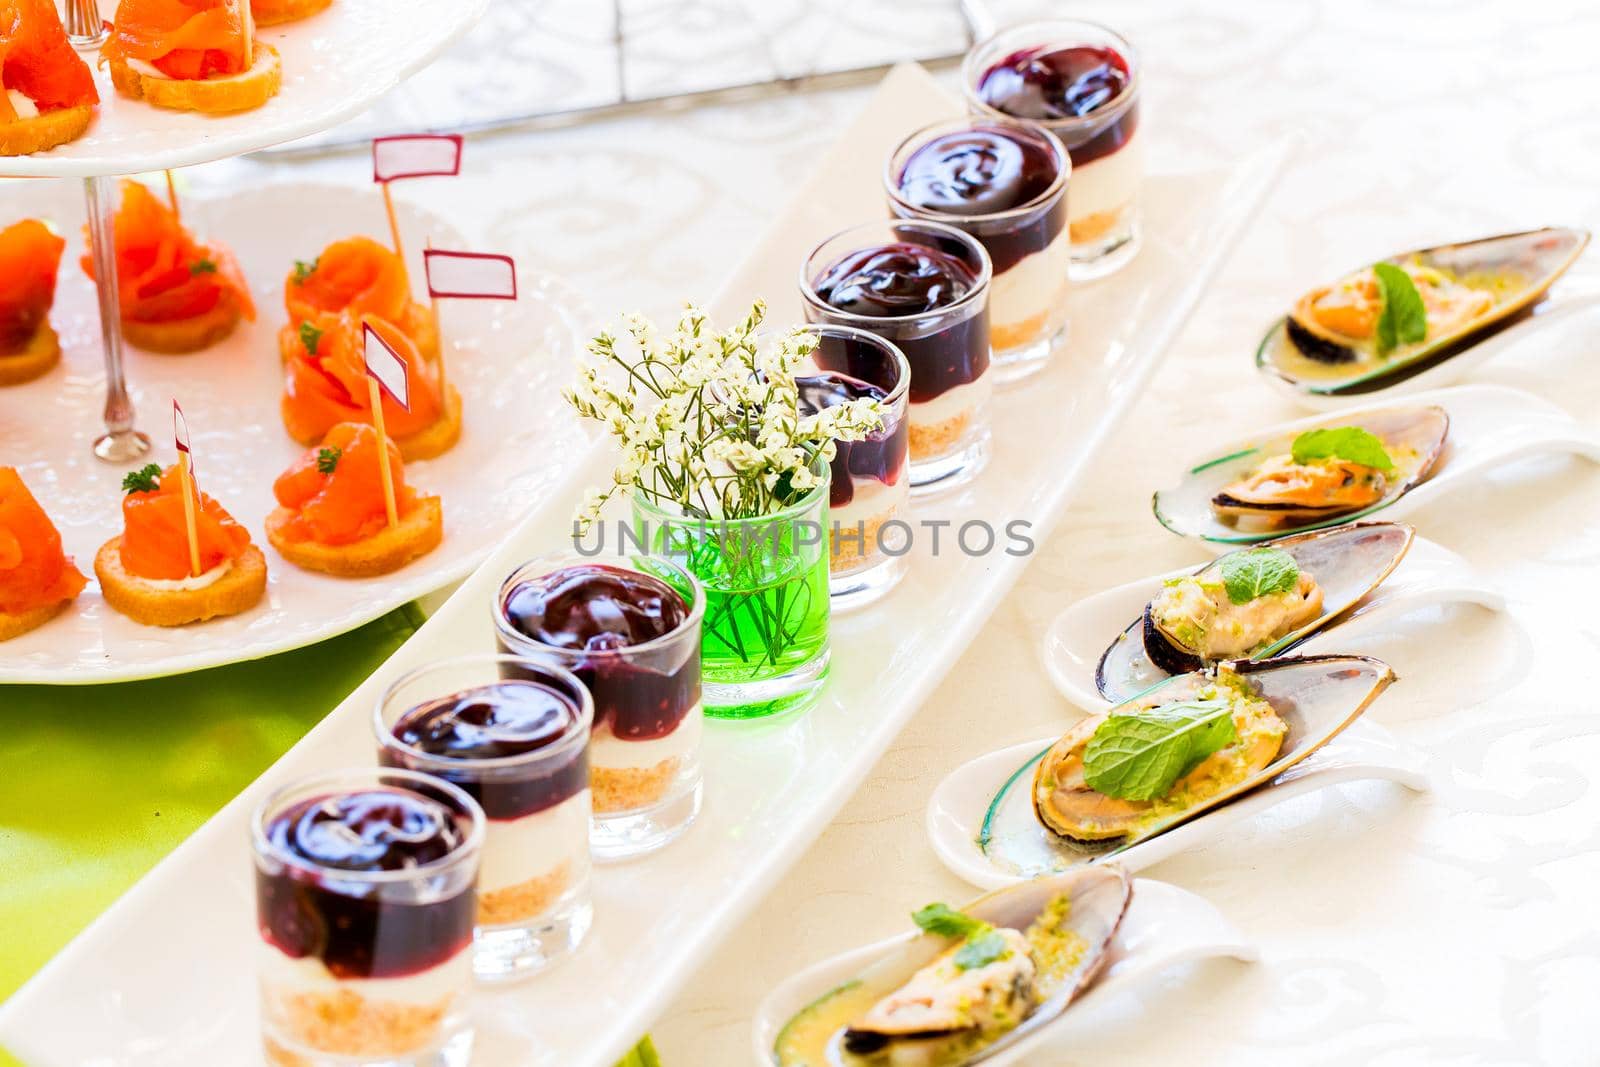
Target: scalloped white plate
[
  {"x": 336, "y": 64},
  {"x": 517, "y": 448}
]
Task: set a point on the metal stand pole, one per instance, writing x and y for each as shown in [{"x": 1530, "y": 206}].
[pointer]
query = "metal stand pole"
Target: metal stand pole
[{"x": 121, "y": 443}]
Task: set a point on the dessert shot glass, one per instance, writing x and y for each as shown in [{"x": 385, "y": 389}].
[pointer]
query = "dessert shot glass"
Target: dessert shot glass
[
  {"x": 924, "y": 286},
  {"x": 628, "y": 627},
  {"x": 870, "y": 481},
  {"x": 364, "y": 905},
  {"x": 1006, "y": 184},
  {"x": 1080, "y": 81},
  {"x": 514, "y": 735}
]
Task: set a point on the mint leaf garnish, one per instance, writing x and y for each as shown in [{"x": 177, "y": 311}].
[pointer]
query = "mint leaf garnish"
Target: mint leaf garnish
[
  {"x": 202, "y": 266},
  {"x": 304, "y": 270},
  {"x": 1404, "y": 318},
  {"x": 1258, "y": 572},
  {"x": 309, "y": 336},
  {"x": 147, "y": 479},
  {"x": 981, "y": 951},
  {"x": 1139, "y": 755},
  {"x": 1346, "y": 442},
  {"x": 946, "y": 921},
  {"x": 328, "y": 459}
]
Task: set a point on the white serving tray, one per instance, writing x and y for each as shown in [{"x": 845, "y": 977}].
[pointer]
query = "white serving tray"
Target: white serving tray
[
  {"x": 336, "y": 64},
  {"x": 507, "y": 358},
  {"x": 162, "y": 979}
]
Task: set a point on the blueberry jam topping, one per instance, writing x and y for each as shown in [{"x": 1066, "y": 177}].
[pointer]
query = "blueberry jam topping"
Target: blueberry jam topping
[
  {"x": 490, "y": 721},
  {"x": 879, "y": 456},
  {"x": 597, "y": 614},
  {"x": 595, "y": 608},
  {"x": 894, "y": 280},
  {"x": 376, "y": 830},
  {"x": 1051, "y": 84},
  {"x": 356, "y": 929},
  {"x": 979, "y": 171}
]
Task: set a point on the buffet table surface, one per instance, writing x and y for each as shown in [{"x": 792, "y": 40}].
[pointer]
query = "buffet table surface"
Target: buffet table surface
[{"x": 1394, "y": 928}]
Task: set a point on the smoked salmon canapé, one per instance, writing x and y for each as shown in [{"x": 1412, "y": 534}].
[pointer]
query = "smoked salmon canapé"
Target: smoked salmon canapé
[
  {"x": 148, "y": 572},
  {"x": 37, "y": 581},
  {"x": 332, "y": 516},
  {"x": 29, "y": 257},
  {"x": 191, "y": 55},
  {"x": 325, "y": 384},
  {"x": 47, "y": 93},
  {"x": 360, "y": 276},
  {"x": 178, "y": 295},
  {"x": 272, "y": 12}
]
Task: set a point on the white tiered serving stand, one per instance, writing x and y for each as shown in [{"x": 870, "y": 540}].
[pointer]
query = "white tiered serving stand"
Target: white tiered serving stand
[{"x": 335, "y": 65}]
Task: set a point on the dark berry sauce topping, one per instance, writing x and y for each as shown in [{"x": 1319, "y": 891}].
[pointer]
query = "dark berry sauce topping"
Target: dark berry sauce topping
[
  {"x": 894, "y": 280},
  {"x": 491, "y": 721},
  {"x": 355, "y": 932},
  {"x": 594, "y": 611},
  {"x": 979, "y": 171},
  {"x": 595, "y": 608},
  {"x": 1062, "y": 83},
  {"x": 880, "y": 456}
]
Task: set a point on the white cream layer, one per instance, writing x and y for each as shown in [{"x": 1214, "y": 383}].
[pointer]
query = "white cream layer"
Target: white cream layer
[
  {"x": 871, "y": 500},
  {"x": 608, "y": 750},
  {"x": 951, "y": 403},
  {"x": 1034, "y": 285},
  {"x": 199, "y": 581},
  {"x": 1108, "y": 183},
  {"x": 516, "y": 850},
  {"x": 284, "y": 974},
  {"x": 24, "y": 107}
]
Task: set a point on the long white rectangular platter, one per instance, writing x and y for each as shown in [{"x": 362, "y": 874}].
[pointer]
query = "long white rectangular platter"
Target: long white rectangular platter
[{"x": 163, "y": 977}]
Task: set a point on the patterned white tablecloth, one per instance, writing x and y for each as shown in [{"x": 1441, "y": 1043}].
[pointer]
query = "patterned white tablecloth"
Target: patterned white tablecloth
[{"x": 1458, "y": 927}]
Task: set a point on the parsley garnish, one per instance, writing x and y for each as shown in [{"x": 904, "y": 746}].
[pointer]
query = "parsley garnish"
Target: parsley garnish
[
  {"x": 1404, "y": 318},
  {"x": 1257, "y": 572},
  {"x": 147, "y": 479},
  {"x": 309, "y": 336},
  {"x": 1346, "y": 442},
  {"x": 304, "y": 270},
  {"x": 1138, "y": 755},
  {"x": 202, "y": 266},
  {"x": 982, "y": 951},
  {"x": 328, "y": 459},
  {"x": 983, "y": 944}
]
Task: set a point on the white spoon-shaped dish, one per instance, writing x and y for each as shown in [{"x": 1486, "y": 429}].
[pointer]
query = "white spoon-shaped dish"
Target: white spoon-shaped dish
[
  {"x": 1075, "y": 646},
  {"x": 959, "y": 805},
  {"x": 1491, "y": 426},
  {"x": 1164, "y": 927}
]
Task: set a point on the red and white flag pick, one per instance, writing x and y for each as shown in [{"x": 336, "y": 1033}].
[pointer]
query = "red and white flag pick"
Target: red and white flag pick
[
  {"x": 419, "y": 155},
  {"x": 470, "y": 275},
  {"x": 180, "y": 434},
  {"x": 386, "y": 366}
]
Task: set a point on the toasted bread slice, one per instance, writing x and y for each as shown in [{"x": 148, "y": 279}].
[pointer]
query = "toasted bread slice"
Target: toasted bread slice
[
  {"x": 42, "y": 132},
  {"x": 434, "y": 440},
  {"x": 15, "y": 625},
  {"x": 236, "y": 591},
  {"x": 42, "y": 352},
  {"x": 181, "y": 336},
  {"x": 272, "y": 12},
  {"x": 391, "y": 548},
  {"x": 234, "y": 92}
]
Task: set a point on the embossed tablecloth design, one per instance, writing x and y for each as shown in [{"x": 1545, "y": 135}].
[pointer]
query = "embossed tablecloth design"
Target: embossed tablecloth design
[{"x": 1395, "y": 929}]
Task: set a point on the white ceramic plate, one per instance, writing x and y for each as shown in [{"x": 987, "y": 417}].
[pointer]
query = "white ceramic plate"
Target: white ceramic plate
[
  {"x": 959, "y": 804},
  {"x": 516, "y": 449},
  {"x": 335, "y": 65},
  {"x": 1163, "y": 928},
  {"x": 162, "y": 978},
  {"x": 1428, "y": 575}
]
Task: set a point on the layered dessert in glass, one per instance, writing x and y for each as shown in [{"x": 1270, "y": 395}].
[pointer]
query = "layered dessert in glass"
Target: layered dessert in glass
[
  {"x": 1006, "y": 184},
  {"x": 1080, "y": 81},
  {"x": 629, "y": 628},
  {"x": 924, "y": 286},
  {"x": 870, "y": 480},
  {"x": 514, "y": 735},
  {"x": 365, "y": 906}
]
